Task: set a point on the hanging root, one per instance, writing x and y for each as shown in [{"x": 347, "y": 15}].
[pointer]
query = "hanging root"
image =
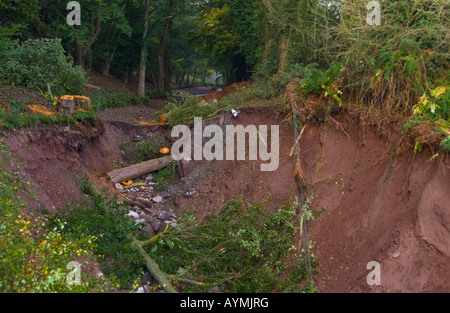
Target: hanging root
[{"x": 300, "y": 178}]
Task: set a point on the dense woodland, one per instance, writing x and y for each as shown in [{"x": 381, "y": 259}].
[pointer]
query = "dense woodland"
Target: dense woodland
[{"x": 177, "y": 42}]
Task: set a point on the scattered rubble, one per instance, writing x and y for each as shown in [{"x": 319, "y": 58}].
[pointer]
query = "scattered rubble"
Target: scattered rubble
[{"x": 146, "y": 206}]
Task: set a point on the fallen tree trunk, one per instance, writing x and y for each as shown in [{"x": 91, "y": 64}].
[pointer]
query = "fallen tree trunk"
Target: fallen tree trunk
[
  {"x": 137, "y": 170},
  {"x": 153, "y": 268}
]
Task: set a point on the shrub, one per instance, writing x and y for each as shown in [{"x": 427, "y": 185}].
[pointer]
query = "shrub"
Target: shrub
[
  {"x": 263, "y": 88},
  {"x": 6, "y": 47},
  {"x": 43, "y": 65},
  {"x": 389, "y": 66},
  {"x": 321, "y": 83},
  {"x": 434, "y": 104},
  {"x": 431, "y": 113},
  {"x": 146, "y": 149},
  {"x": 184, "y": 111},
  {"x": 165, "y": 177}
]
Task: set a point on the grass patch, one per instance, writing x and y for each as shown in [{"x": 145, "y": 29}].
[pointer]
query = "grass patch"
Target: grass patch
[
  {"x": 106, "y": 99},
  {"x": 261, "y": 89}
]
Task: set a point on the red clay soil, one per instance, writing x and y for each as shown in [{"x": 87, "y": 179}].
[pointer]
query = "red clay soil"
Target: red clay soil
[
  {"x": 243, "y": 180},
  {"x": 53, "y": 156},
  {"x": 376, "y": 206}
]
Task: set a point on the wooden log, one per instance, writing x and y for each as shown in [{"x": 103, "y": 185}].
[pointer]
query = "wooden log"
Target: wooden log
[{"x": 137, "y": 170}]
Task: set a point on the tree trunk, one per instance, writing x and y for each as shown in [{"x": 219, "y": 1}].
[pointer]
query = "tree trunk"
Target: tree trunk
[
  {"x": 80, "y": 51},
  {"x": 204, "y": 77},
  {"x": 126, "y": 77},
  {"x": 167, "y": 66},
  {"x": 143, "y": 61},
  {"x": 161, "y": 51},
  {"x": 195, "y": 74},
  {"x": 161, "y": 77},
  {"x": 183, "y": 75},
  {"x": 177, "y": 78},
  {"x": 154, "y": 81},
  {"x": 142, "y": 72},
  {"x": 137, "y": 170},
  {"x": 79, "y": 60},
  {"x": 284, "y": 50},
  {"x": 109, "y": 59},
  {"x": 66, "y": 106},
  {"x": 153, "y": 267}
]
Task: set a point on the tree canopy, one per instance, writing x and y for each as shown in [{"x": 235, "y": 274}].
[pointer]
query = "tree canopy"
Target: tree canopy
[{"x": 178, "y": 42}]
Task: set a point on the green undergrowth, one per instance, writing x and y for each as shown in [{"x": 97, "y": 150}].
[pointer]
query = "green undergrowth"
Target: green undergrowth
[
  {"x": 239, "y": 249},
  {"x": 269, "y": 88},
  {"x": 431, "y": 115},
  {"x": 146, "y": 149},
  {"x": 34, "y": 254},
  {"x": 183, "y": 111},
  {"x": 118, "y": 259},
  {"x": 102, "y": 99},
  {"x": 15, "y": 114},
  {"x": 165, "y": 177}
]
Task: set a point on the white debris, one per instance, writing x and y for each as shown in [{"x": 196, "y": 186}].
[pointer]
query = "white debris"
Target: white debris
[
  {"x": 133, "y": 214},
  {"x": 119, "y": 187}
]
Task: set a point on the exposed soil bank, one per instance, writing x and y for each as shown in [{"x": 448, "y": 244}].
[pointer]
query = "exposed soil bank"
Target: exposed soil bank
[
  {"x": 376, "y": 206},
  {"x": 218, "y": 182},
  {"x": 54, "y": 156}
]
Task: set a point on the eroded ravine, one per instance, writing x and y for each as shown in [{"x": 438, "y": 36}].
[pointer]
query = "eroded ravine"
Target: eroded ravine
[{"x": 375, "y": 205}]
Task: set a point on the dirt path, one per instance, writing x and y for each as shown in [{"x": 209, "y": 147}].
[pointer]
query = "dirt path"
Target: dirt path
[{"x": 133, "y": 114}]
